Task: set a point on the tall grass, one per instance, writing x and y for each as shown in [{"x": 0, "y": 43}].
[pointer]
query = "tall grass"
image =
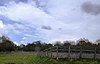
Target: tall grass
[{"x": 29, "y": 58}]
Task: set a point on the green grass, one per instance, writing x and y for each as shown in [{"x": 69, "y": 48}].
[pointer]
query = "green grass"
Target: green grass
[{"x": 21, "y": 58}]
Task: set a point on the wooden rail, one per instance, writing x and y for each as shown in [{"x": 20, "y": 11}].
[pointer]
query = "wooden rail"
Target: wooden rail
[{"x": 70, "y": 53}]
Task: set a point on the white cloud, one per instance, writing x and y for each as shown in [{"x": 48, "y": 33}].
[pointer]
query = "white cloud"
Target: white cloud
[
  {"x": 16, "y": 43},
  {"x": 64, "y": 17},
  {"x": 1, "y": 24},
  {"x": 33, "y": 17},
  {"x": 91, "y": 8},
  {"x": 1, "y": 27}
]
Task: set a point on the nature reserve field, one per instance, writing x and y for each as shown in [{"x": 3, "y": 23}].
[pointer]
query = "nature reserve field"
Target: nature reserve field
[{"x": 30, "y": 58}]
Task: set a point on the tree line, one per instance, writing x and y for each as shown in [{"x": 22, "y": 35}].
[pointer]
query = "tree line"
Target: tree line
[{"x": 6, "y": 45}]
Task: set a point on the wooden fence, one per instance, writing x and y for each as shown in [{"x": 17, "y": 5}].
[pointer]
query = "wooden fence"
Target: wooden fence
[{"x": 71, "y": 53}]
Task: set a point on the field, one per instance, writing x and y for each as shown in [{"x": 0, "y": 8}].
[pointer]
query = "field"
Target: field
[{"x": 30, "y": 58}]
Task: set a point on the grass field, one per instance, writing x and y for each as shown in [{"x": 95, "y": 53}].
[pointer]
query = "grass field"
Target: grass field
[{"x": 29, "y": 58}]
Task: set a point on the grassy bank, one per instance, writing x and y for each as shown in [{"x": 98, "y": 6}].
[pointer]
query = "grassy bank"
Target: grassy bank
[{"x": 29, "y": 58}]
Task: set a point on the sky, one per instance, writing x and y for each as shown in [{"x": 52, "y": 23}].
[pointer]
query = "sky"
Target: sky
[{"x": 25, "y": 21}]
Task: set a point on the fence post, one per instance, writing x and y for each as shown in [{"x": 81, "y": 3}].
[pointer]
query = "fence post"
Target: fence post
[
  {"x": 46, "y": 53},
  {"x": 80, "y": 53},
  {"x": 57, "y": 53},
  {"x": 95, "y": 53},
  {"x": 51, "y": 54},
  {"x": 69, "y": 52}
]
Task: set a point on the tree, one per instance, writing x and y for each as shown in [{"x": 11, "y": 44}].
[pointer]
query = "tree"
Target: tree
[
  {"x": 66, "y": 44},
  {"x": 46, "y": 46},
  {"x": 38, "y": 45},
  {"x": 85, "y": 44},
  {"x": 7, "y": 44},
  {"x": 58, "y": 43},
  {"x": 29, "y": 47},
  {"x": 97, "y": 41}
]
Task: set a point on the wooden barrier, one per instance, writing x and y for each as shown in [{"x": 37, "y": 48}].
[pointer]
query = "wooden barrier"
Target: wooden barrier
[{"x": 71, "y": 53}]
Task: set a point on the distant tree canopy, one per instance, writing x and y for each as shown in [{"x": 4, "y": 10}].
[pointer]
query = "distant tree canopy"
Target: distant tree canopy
[{"x": 6, "y": 45}]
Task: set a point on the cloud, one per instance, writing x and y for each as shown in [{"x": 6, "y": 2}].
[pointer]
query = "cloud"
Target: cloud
[
  {"x": 31, "y": 17},
  {"x": 27, "y": 14},
  {"x": 3, "y": 2},
  {"x": 58, "y": 20},
  {"x": 46, "y": 27},
  {"x": 89, "y": 7},
  {"x": 1, "y": 24},
  {"x": 1, "y": 27}
]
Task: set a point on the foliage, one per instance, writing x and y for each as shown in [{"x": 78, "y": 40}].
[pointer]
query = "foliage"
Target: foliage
[
  {"x": 7, "y": 45},
  {"x": 30, "y": 58},
  {"x": 82, "y": 44}
]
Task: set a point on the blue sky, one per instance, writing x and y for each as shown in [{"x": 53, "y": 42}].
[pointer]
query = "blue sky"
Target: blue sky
[{"x": 49, "y": 20}]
